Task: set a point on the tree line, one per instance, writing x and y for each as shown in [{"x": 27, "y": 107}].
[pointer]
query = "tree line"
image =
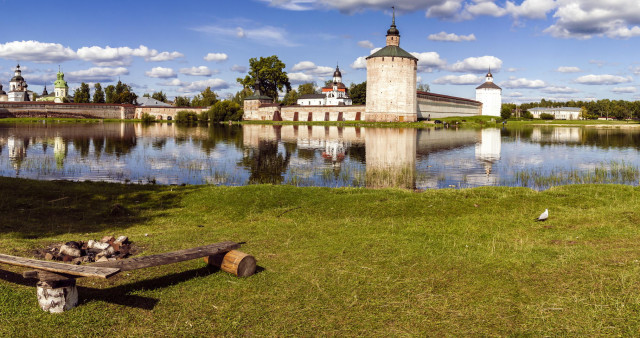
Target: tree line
[{"x": 605, "y": 108}]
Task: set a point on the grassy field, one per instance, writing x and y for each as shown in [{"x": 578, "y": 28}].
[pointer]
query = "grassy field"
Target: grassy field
[{"x": 344, "y": 262}]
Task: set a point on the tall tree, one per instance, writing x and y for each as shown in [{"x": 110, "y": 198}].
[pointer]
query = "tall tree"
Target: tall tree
[
  {"x": 205, "y": 99},
  {"x": 358, "y": 93},
  {"x": 181, "y": 101},
  {"x": 290, "y": 98},
  {"x": 110, "y": 92},
  {"x": 124, "y": 94},
  {"x": 269, "y": 70},
  {"x": 240, "y": 95},
  {"x": 82, "y": 94},
  {"x": 98, "y": 94},
  {"x": 423, "y": 87},
  {"x": 160, "y": 96},
  {"x": 307, "y": 88}
]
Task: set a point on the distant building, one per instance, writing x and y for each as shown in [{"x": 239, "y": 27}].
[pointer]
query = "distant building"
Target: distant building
[
  {"x": 61, "y": 88},
  {"x": 559, "y": 113},
  {"x": 490, "y": 94},
  {"x": 334, "y": 95},
  {"x": 149, "y": 102},
  {"x": 18, "y": 91}
]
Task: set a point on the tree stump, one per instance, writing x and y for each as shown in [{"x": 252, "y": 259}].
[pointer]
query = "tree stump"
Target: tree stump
[
  {"x": 234, "y": 262},
  {"x": 56, "y": 293}
]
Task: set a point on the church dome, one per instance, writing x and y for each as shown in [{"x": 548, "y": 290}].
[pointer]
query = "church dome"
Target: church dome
[
  {"x": 337, "y": 72},
  {"x": 17, "y": 78},
  {"x": 393, "y": 30},
  {"x": 2, "y": 92}
]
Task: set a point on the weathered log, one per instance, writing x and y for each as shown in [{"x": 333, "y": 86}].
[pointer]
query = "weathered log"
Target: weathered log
[{"x": 234, "y": 262}]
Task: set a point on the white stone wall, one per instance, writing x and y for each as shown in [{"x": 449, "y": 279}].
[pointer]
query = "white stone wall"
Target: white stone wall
[
  {"x": 491, "y": 99},
  {"x": 391, "y": 89},
  {"x": 323, "y": 113}
]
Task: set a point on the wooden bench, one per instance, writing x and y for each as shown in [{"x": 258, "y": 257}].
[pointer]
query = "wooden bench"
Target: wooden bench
[{"x": 56, "y": 288}]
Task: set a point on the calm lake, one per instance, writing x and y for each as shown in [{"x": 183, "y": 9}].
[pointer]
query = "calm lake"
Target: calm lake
[{"x": 537, "y": 157}]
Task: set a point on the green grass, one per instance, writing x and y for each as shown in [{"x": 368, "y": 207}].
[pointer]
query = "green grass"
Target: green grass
[
  {"x": 570, "y": 122},
  {"x": 338, "y": 262}
]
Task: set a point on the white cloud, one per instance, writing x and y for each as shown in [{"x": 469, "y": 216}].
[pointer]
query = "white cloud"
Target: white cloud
[
  {"x": 522, "y": 83},
  {"x": 121, "y": 56},
  {"x": 174, "y": 82},
  {"x": 445, "y": 10},
  {"x": 477, "y": 64},
  {"x": 465, "y": 79},
  {"x": 96, "y": 74},
  {"x": 451, "y": 37},
  {"x": 584, "y": 19},
  {"x": 512, "y": 70},
  {"x": 560, "y": 90},
  {"x": 292, "y": 5},
  {"x": 429, "y": 61},
  {"x": 365, "y": 44},
  {"x": 197, "y": 71},
  {"x": 566, "y": 69},
  {"x": 216, "y": 57},
  {"x": 533, "y": 9},
  {"x": 198, "y": 86},
  {"x": 488, "y": 8},
  {"x": 310, "y": 68},
  {"x": 265, "y": 35},
  {"x": 299, "y": 78},
  {"x": 604, "y": 79},
  {"x": 36, "y": 51},
  {"x": 239, "y": 69},
  {"x": 623, "y": 90},
  {"x": 360, "y": 63},
  {"x": 161, "y": 72},
  {"x": 513, "y": 94}
]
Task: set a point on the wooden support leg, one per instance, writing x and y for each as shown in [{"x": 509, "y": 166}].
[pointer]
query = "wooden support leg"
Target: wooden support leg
[
  {"x": 56, "y": 293},
  {"x": 234, "y": 262}
]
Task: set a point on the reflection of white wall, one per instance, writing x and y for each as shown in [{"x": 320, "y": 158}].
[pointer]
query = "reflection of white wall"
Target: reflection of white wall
[
  {"x": 556, "y": 134},
  {"x": 488, "y": 149},
  {"x": 391, "y": 157}
]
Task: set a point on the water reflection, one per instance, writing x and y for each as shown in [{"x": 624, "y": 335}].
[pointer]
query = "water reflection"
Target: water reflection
[{"x": 315, "y": 155}]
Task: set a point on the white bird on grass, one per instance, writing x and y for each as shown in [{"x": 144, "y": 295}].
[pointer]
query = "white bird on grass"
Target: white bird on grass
[{"x": 543, "y": 216}]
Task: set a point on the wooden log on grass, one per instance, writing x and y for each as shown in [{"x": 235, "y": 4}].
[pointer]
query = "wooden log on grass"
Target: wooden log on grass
[
  {"x": 56, "y": 293},
  {"x": 234, "y": 262}
]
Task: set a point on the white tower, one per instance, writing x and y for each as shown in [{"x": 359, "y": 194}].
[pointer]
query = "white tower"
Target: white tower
[{"x": 490, "y": 95}]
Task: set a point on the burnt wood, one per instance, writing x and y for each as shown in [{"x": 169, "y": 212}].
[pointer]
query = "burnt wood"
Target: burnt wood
[
  {"x": 168, "y": 258},
  {"x": 74, "y": 270}
]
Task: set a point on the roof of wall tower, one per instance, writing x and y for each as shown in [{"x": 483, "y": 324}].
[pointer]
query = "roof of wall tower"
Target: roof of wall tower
[
  {"x": 489, "y": 85},
  {"x": 393, "y": 30},
  {"x": 390, "y": 50}
]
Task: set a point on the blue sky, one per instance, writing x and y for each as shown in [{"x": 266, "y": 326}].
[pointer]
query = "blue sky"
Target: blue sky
[{"x": 552, "y": 49}]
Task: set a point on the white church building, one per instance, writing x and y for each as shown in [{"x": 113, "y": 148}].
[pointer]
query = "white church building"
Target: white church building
[
  {"x": 334, "y": 95},
  {"x": 490, "y": 94}
]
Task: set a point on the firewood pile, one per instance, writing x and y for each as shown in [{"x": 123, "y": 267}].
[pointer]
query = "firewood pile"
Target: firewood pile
[{"x": 108, "y": 248}]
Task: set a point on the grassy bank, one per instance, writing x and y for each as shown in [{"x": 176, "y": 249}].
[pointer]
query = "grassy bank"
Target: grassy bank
[{"x": 342, "y": 262}]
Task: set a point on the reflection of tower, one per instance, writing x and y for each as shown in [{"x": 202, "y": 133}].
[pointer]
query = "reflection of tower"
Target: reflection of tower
[
  {"x": 390, "y": 157},
  {"x": 17, "y": 152},
  {"x": 488, "y": 150},
  {"x": 334, "y": 151},
  {"x": 59, "y": 151}
]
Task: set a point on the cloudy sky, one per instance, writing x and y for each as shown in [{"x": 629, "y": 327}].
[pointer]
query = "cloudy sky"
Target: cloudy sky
[{"x": 552, "y": 49}]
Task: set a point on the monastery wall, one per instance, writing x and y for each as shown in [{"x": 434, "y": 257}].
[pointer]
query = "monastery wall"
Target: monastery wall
[
  {"x": 322, "y": 113},
  {"x": 434, "y": 106},
  {"x": 71, "y": 110},
  {"x": 165, "y": 113}
]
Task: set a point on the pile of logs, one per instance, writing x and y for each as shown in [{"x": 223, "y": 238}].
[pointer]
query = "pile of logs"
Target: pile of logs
[{"x": 108, "y": 248}]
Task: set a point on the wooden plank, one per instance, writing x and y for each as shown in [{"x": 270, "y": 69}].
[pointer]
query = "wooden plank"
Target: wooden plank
[
  {"x": 75, "y": 270},
  {"x": 169, "y": 257}
]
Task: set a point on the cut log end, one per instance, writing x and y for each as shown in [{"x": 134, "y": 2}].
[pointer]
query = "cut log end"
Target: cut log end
[
  {"x": 59, "y": 299},
  {"x": 234, "y": 262}
]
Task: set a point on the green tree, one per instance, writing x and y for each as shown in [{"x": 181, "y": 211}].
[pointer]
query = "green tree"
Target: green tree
[
  {"x": 225, "y": 111},
  {"x": 307, "y": 88},
  {"x": 358, "y": 93},
  {"x": 269, "y": 70},
  {"x": 82, "y": 94},
  {"x": 423, "y": 87},
  {"x": 181, "y": 101},
  {"x": 124, "y": 94},
  {"x": 160, "y": 96},
  {"x": 505, "y": 112},
  {"x": 110, "y": 92},
  {"x": 98, "y": 94},
  {"x": 205, "y": 99},
  {"x": 241, "y": 95},
  {"x": 290, "y": 98}
]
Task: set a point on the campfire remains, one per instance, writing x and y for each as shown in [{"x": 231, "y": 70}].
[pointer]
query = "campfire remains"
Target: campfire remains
[{"x": 107, "y": 249}]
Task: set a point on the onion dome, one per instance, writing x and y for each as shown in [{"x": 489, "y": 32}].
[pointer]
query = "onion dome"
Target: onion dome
[
  {"x": 393, "y": 30},
  {"x": 2, "y": 92},
  {"x": 337, "y": 72}
]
